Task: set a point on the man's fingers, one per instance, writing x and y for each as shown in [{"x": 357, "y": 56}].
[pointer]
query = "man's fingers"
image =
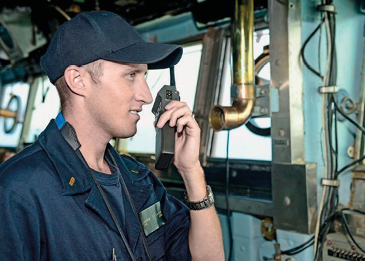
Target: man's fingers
[
  {"x": 173, "y": 113},
  {"x": 178, "y": 113},
  {"x": 175, "y": 103},
  {"x": 186, "y": 120}
]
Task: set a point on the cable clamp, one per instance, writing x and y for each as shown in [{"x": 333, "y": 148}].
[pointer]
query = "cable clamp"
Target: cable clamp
[
  {"x": 330, "y": 182},
  {"x": 327, "y": 8},
  {"x": 328, "y": 89}
]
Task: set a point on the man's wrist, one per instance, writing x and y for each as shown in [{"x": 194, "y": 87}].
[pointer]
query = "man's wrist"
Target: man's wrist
[
  {"x": 204, "y": 203},
  {"x": 192, "y": 175}
]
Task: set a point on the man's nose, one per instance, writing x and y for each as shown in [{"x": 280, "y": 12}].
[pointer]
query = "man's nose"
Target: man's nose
[{"x": 145, "y": 93}]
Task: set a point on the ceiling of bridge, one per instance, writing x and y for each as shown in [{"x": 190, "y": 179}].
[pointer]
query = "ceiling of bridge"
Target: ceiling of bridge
[{"x": 48, "y": 15}]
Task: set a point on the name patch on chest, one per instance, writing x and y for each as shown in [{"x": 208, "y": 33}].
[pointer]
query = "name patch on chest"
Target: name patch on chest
[{"x": 152, "y": 218}]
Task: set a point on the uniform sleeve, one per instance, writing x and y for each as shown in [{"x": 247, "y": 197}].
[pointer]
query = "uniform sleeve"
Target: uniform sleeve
[
  {"x": 19, "y": 228},
  {"x": 176, "y": 230}
]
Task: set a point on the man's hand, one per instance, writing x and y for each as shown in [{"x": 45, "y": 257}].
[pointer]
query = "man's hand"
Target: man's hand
[
  {"x": 205, "y": 235},
  {"x": 187, "y": 139}
]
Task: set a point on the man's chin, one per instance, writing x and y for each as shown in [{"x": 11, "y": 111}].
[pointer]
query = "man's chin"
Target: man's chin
[{"x": 126, "y": 135}]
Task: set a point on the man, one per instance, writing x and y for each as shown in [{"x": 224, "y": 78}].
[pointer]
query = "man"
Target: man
[{"x": 71, "y": 196}]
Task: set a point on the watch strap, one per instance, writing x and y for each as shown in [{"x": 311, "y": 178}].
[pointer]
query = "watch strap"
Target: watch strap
[{"x": 206, "y": 202}]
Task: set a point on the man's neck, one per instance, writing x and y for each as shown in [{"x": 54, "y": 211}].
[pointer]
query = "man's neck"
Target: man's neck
[{"x": 93, "y": 144}]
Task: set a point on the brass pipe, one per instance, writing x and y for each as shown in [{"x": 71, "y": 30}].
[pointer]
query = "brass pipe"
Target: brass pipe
[
  {"x": 8, "y": 113},
  {"x": 243, "y": 75}
]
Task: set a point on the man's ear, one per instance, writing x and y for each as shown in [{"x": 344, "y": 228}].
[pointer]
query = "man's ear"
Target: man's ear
[{"x": 75, "y": 80}]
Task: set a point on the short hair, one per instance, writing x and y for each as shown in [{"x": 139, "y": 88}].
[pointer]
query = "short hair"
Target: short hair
[
  {"x": 63, "y": 91},
  {"x": 94, "y": 69}
]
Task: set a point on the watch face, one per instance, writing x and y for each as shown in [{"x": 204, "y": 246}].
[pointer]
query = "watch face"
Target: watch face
[{"x": 210, "y": 194}]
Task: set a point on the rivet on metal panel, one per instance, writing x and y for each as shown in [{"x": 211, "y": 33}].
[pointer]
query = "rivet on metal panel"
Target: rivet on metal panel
[
  {"x": 287, "y": 200},
  {"x": 263, "y": 92},
  {"x": 264, "y": 110},
  {"x": 281, "y": 133},
  {"x": 350, "y": 151}
]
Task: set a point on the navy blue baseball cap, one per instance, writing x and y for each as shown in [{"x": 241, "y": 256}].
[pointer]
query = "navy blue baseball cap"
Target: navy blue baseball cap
[{"x": 103, "y": 35}]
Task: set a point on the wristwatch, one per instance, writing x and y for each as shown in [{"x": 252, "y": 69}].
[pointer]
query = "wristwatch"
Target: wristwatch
[{"x": 201, "y": 204}]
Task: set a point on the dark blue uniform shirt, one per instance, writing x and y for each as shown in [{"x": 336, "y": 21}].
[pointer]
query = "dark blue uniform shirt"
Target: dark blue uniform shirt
[{"x": 50, "y": 208}]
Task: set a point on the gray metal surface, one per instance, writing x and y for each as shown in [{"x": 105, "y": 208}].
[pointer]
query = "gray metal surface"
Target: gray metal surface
[
  {"x": 359, "y": 142},
  {"x": 295, "y": 197},
  {"x": 295, "y": 101},
  {"x": 357, "y": 199},
  {"x": 287, "y": 124},
  {"x": 245, "y": 205},
  {"x": 279, "y": 68},
  {"x": 262, "y": 104},
  {"x": 294, "y": 182}
]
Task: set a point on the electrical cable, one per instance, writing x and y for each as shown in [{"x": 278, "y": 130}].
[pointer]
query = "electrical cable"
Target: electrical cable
[
  {"x": 336, "y": 137},
  {"x": 347, "y": 226},
  {"x": 303, "y": 49},
  {"x": 330, "y": 78},
  {"x": 362, "y": 129},
  {"x": 329, "y": 47},
  {"x": 298, "y": 249},
  {"x": 350, "y": 165},
  {"x": 333, "y": 198},
  {"x": 325, "y": 192},
  {"x": 227, "y": 201},
  {"x": 319, "y": 45}
]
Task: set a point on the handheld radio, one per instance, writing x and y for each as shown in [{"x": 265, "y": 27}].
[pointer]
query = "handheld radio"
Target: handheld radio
[{"x": 165, "y": 137}]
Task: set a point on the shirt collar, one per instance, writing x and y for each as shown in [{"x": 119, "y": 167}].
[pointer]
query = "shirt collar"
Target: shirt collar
[
  {"x": 60, "y": 120},
  {"x": 72, "y": 172}
]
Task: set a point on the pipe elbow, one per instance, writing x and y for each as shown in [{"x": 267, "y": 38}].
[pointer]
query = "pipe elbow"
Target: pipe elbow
[{"x": 230, "y": 117}]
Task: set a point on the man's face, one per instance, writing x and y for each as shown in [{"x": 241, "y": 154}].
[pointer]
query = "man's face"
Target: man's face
[{"x": 116, "y": 99}]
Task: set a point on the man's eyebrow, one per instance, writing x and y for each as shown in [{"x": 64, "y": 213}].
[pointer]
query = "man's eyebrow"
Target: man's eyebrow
[{"x": 135, "y": 68}]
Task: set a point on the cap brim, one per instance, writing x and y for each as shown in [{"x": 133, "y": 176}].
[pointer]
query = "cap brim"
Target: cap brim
[{"x": 155, "y": 55}]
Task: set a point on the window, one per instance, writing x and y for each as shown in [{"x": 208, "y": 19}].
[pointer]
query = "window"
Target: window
[
  {"x": 244, "y": 144},
  {"x": 45, "y": 107},
  {"x": 186, "y": 75},
  {"x": 20, "y": 91}
]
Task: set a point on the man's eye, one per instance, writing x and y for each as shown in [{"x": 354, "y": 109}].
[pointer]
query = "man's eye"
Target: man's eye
[{"x": 132, "y": 75}]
